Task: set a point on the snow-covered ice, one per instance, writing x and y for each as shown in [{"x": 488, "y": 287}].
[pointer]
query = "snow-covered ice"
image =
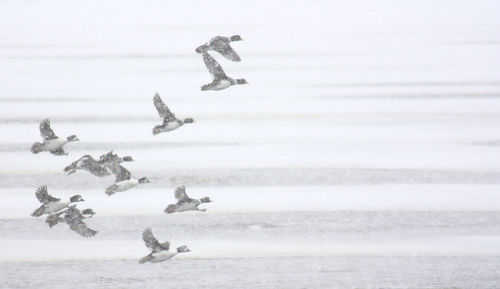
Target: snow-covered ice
[{"x": 364, "y": 153}]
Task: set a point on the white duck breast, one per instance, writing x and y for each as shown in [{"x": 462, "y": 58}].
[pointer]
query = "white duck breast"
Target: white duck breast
[
  {"x": 162, "y": 256},
  {"x": 125, "y": 185},
  {"x": 172, "y": 125},
  {"x": 55, "y": 144},
  {"x": 223, "y": 84},
  {"x": 55, "y": 207}
]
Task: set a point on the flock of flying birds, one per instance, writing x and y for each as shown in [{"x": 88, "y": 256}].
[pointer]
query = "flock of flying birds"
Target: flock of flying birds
[{"x": 59, "y": 211}]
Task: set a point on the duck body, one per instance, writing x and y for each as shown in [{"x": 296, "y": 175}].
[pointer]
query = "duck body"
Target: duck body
[
  {"x": 50, "y": 204},
  {"x": 160, "y": 251},
  {"x": 87, "y": 163},
  {"x": 185, "y": 203},
  {"x": 124, "y": 181},
  {"x": 220, "y": 80},
  {"x": 51, "y": 142},
  {"x": 157, "y": 257},
  {"x": 170, "y": 122},
  {"x": 221, "y": 44}
]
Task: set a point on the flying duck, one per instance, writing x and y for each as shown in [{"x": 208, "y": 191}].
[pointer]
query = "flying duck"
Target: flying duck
[
  {"x": 185, "y": 203},
  {"x": 73, "y": 217},
  {"x": 220, "y": 79},
  {"x": 160, "y": 251},
  {"x": 221, "y": 45},
  {"x": 124, "y": 181},
  {"x": 51, "y": 142},
  {"x": 170, "y": 122},
  {"x": 112, "y": 161},
  {"x": 88, "y": 163},
  {"x": 51, "y": 204}
]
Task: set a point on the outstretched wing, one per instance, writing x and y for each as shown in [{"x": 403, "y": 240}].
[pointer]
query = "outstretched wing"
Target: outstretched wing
[
  {"x": 45, "y": 130},
  {"x": 180, "y": 194},
  {"x": 81, "y": 228},
  {"x": 122, "y": 174},
  {"x": 213, "y": 67},
  {"x": 152, "y": 242},
  {"x": 43, "y": 196},
  {"x": 227, "y": 51},
  {"x": 162, "y": 108}
]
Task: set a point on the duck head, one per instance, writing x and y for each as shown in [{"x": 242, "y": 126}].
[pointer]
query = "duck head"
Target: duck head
[
  {"x": 72, "y": 138},
  {"x": 183, "y": 249},
  {"x": 144, "y": 180},
  {"x": 76, "y": 198},
  {"x": 235, "y": 38},
  {"x": 188, "y": 120},
  {"x": 241, "y": 81},
  {"x": 89, "y": 212},
  {"x": 128, "y": 159},
  {"x": 205, "y": 200}
]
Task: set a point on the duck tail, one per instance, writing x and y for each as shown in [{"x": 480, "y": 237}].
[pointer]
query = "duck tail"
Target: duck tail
[
  {"x": 145, "y": 259},
  {"x": 36, "y": 148},
  {"x": 38, "y": 212},
  {"x": 110, "y": 190}
]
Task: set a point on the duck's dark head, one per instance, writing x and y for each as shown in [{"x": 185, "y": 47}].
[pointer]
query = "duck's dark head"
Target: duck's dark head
[
  {"x": 72, "y": 138},
  {"x": 188, "y": 120},
  {"x": 128, "y": 159},
  {"x": 170, "y": 209},
  {"x": 235, "y": 38},
  {"x": 241, "y": 81},
  {"x": 157, "y": 129},
  {"x": 71, "y": 168},
  {"x": 144, "y": 180},
  {"x": 89, "y": 212},
  {"x": 183, "y": 249},
  {"x": 76, "y": 198},
  {"x": 205, "y": 200}
]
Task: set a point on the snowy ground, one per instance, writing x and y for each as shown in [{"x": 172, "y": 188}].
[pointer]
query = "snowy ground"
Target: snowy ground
[{"x": 364, "y": 153}]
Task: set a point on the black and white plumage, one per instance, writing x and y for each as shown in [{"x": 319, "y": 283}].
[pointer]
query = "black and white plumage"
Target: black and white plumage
[
  {"x": 50, "y": 204},
  {"x": 160, "y": 251},
  {"x": 170, "y": 122},
  {"x": 124, "y": 181},
  {"x": 51, "y": 142},
  {"x": 74, "y": 218},
  {"x": 220, "y": 79},
  {"x": 222, "y": 45},
  {"x": 185, "y": 203},
  {"x": 88, "y": 163}
]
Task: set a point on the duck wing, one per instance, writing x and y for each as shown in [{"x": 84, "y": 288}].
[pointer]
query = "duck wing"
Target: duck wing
[
  {"x": 226, "y": 50},
  {"x": 122, "y": 174},
  {"x": 81, "y": 228},
  {"x": 46, "y": 131},
  {"x": 43, "y": 195},
  {"x": 152, "y": 243},
  {"x": 213, "y": 67},
  {"x": 180, "y": 194},
  {"x": 162, "y": 108}
]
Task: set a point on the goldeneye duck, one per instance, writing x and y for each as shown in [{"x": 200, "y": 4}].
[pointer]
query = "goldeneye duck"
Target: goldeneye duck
[
  {"x": 112, "y": 161},
  {"x": 73, "y": 217},
  {"x": 124, "y": 181},
  {"x": 170, "y": 122},
  {"x": 185, "y": 203},
  {"x": 220, "y": 79},
  {"x": 51, "y": 142},
  {"x": 221, "y": 45},
  {"x": 88, "y": 163},
  {"x": 51, "y": 204},
  {"x": 160, "y": 251}
]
